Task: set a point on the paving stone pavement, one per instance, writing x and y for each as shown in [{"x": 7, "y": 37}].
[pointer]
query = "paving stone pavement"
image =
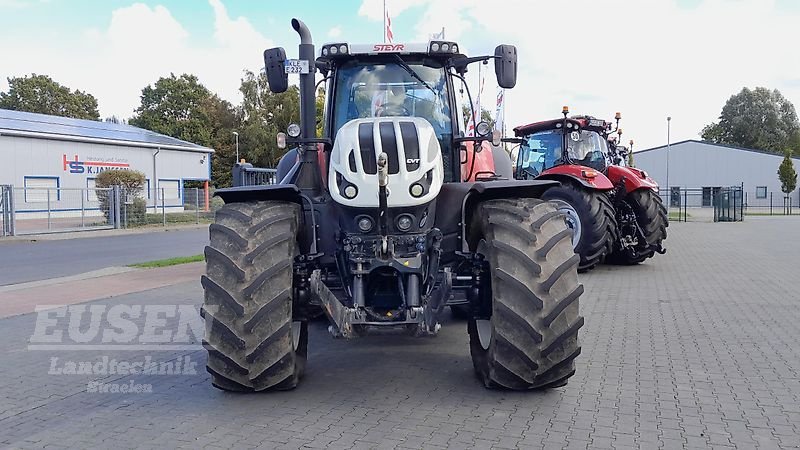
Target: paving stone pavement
[{"x": 698, "y": 348}]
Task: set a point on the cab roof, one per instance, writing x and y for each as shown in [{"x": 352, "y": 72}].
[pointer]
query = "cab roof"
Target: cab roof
[
  {"x": 582, "y": 122},
  {"x": 333, "y": 50}
]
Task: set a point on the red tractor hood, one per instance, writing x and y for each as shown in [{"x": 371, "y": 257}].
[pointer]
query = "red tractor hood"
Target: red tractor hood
[
  {"x": 586, "y": 176},
  {"x": 634, "y": 178}
]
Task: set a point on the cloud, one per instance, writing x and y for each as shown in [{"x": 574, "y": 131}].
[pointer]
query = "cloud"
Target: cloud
[
  {"x": 140, "y": 44},
  {"x": 335, "y": 32},
  {"x": 648, "y": 59}
]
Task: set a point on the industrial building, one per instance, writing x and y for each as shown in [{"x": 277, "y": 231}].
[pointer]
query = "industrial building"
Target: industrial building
[
  {"x": 707, "y": 167},
  {"x": 53, "y": 161}
]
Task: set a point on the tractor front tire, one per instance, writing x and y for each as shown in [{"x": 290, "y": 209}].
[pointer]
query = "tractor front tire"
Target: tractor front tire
[
  {"x": 253, "y": 341},
  {"x": 651, "y": 216},
  {"x": 590, "y": 215},
  {"x": 526, "y": 336}
]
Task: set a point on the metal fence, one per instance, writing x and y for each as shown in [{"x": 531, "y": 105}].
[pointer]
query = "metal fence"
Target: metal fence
[
  {"x": 162, "y": 207},
  {"x": 244, "y": 174},
  {"x": 771, "y": 204},
  {"x": 724, "y": 204},
  {"x": 40, "y": 210},
  {"x": 51, "y": 210}
]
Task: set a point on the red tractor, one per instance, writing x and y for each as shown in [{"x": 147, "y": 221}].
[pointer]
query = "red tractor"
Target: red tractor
[{"x": 613, "y": 211}]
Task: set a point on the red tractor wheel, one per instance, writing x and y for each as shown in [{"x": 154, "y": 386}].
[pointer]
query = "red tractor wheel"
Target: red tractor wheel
[
  {"x": 590, "y": 216},
  {"x": 642, "y": 208}
]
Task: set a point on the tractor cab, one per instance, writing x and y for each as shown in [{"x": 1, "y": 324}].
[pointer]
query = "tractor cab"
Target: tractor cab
[
  {"x": 418, "y": 80},
  {"x": 575, "y": 141}
]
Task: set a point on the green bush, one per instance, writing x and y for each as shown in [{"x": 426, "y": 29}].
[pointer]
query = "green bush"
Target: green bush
[
  {"x": 131, "y": 183},
  {"x": 136, "y": 211}
]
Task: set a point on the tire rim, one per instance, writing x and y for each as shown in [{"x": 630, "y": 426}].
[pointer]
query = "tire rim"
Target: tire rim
[
  {"x": 296, "y": 327},
  {"x": 573, "y": 220},
  {"x": 484, "y": 327}
]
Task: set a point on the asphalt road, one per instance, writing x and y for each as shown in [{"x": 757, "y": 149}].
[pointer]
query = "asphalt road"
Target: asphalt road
[{"x": 24, "y": 261}]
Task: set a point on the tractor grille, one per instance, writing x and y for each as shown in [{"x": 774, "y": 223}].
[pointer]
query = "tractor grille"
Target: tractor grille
[
  {"x": 367, "y": 146},
  {"x": 388, "y": 137}
]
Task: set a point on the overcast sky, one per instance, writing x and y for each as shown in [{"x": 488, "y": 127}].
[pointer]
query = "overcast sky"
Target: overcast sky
[{"x": 646, "y": 58}]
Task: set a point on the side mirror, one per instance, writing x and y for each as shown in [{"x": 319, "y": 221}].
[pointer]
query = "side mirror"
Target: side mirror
[
  {"x": 277, "y": 77},
  {"x": 505, "y": 65}
]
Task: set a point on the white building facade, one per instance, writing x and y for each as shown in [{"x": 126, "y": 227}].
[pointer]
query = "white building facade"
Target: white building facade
[
  {"x": 707, "y": 166},
  {"x": 53, "y": 161}
]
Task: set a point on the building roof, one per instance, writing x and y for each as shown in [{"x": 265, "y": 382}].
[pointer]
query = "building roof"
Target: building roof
[
  {"x": 42, "y": 126},
  {"x": 714, "y": 144}
]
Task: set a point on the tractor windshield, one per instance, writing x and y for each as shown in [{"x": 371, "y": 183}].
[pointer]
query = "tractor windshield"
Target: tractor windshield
[
  {"x": 540, "y": 152},
  {"x": 392, "y": 89},
  {"x": 587, "y": 148}
]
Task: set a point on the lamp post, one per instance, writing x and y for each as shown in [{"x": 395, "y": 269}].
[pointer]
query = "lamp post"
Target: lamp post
[
  {"x": 236, "y": 135},
  {"x": 669, "y": 119}
]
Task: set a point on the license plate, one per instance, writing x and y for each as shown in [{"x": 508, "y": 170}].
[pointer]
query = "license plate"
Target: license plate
[{"x": 296, "y": 66}]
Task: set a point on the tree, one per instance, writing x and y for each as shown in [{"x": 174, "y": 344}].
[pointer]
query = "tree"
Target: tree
[
  {"x": 758, "y": 118},
  {"x": 183, "y": 108},
  {"x": 40, "y": 94},
  {"x": 263, "y": 115},
  {"x": 178, "y": 107},
  {"x": 787, "y": 174}
]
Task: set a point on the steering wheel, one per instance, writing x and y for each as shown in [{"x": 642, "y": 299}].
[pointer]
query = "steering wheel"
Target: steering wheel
[{"x": 391, "y": 109}]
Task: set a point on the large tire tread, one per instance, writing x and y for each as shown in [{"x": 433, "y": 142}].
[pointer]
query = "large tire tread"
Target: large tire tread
[
  {"x": 248, "y": 298},
  {"x": 534, "y": 313},
  {"x": 598, "y": 222},
  {"x": 651, "y": 215}
]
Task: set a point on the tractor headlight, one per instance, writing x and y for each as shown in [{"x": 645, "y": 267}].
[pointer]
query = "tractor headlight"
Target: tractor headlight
[
  {"x": 324, "y": 51},
  {"x": 445, "y": 47},
  {"x": 416, "y": 190},
  {"x": 404, "y": 222},
  {"x": 350, "y": 191},
  {"x": 334, "y": 50},
  {"x": 365, "y": 224},
  {"x": 483, "y": 129},
  {"x": 293, "y": 130},
  {"x": 455, "y": 48},
  {"x": 343, "y": 49},
  {"x": 435, "y": 47}
]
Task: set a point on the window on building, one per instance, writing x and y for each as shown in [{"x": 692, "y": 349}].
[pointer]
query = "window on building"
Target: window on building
[
  {"x": 171, "y": 189},
  {"x": 761, "y": 192},
  {"x": 39, "y": 189},
  {"x": 91, "y": 193}
]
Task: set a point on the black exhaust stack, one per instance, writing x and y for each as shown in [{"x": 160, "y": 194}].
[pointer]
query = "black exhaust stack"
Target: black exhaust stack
[
  {"x": 308, "y": 110},
  {"x": 307, "y": 175}
]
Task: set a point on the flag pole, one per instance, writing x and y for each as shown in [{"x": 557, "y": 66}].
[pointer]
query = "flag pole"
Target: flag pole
[{"x": 384, "y": 21}]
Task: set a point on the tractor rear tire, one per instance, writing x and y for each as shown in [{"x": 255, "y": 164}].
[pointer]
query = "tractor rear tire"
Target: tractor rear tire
[
  {"x": 253, "y": 341},
  {"x": 595, "y": 222},
  {"x": 527, "y": 338},
  {"x": 651, "y": 215}
]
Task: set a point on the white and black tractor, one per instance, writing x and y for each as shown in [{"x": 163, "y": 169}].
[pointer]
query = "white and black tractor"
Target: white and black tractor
[{"x": 380, "y": 222}]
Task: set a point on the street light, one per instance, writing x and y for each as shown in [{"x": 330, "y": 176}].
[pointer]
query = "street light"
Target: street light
[
  {"x": 669, "y": 119},
  {"x": 236, "y": 134}
]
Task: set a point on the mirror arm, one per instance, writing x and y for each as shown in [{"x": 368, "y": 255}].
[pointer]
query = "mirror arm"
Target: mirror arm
[{"x": 461, "y": 63}]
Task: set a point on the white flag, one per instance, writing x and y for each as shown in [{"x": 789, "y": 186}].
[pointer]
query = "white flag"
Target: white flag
[{"x": 498, "y": 114}]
